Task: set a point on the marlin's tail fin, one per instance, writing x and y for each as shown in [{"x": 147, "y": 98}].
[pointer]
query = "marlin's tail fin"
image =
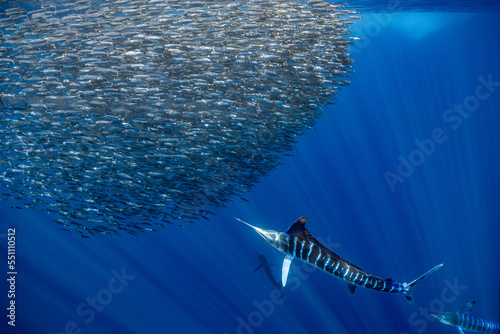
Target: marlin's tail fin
[{"x": 411, "y": 285}]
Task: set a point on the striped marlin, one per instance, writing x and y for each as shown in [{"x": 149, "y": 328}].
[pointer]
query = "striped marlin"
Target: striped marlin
[
  {"x": 463, "y": 319},
  {"x": 267, "y": 267},
  {"x": 298, "y": 243}
]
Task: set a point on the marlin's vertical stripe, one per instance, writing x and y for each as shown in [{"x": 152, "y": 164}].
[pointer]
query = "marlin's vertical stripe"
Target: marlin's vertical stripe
[
  {"x": 464, "y": 319},
  {"x": 298, "y": 243}
]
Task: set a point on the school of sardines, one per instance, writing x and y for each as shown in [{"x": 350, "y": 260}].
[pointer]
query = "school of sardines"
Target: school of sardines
[{"x": 120, "y": 116}]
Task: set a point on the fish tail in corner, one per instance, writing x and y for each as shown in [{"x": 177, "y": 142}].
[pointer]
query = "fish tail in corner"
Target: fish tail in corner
[{"x": 411, "y": 285}]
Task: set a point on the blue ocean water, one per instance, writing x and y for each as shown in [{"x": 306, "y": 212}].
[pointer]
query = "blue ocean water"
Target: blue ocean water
[{"x": 400, "y": 174}]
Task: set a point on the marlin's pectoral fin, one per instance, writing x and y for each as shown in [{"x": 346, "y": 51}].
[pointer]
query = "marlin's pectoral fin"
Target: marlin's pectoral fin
[
  {"x": 286, "y": 266},
  {"x": 460, "y": 331},
  {"x": 257, "y": 268},
  {"x": 351, "y": 287}
]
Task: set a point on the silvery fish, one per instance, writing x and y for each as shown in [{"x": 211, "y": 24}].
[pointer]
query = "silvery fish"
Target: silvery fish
[{"x": 118, "y": 114}]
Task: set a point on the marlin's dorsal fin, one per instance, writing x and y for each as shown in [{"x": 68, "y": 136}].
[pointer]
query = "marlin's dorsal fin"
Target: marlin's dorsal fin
[
  {"x": 467, "y": 307},
  {"x": 286, "y": 266},
  {"x": 298, "y": 229}
]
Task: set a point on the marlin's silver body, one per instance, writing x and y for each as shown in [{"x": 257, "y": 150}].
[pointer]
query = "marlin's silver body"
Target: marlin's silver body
[
  {"x": 298, "y": 243},
  {"x": 464, "y": 320}
]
